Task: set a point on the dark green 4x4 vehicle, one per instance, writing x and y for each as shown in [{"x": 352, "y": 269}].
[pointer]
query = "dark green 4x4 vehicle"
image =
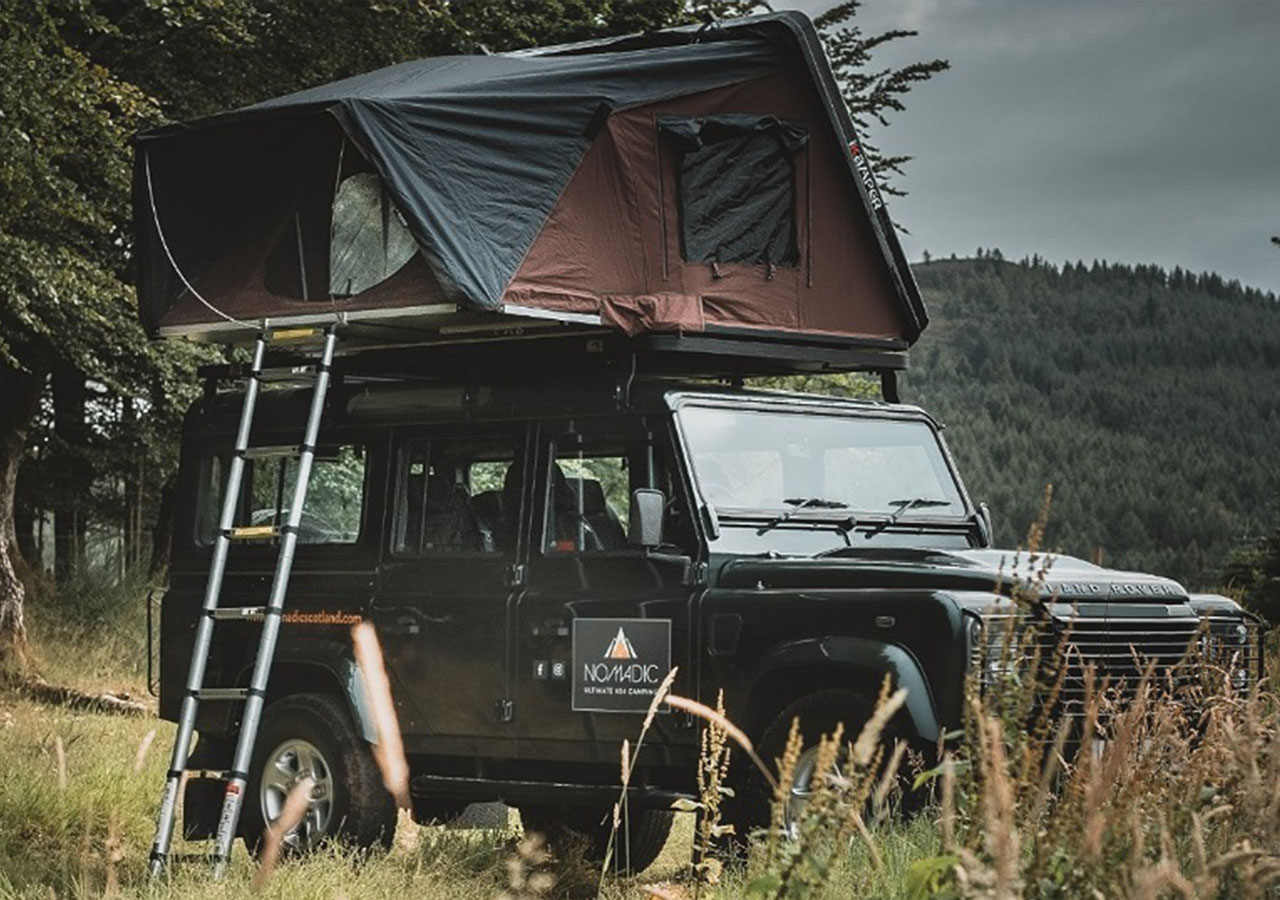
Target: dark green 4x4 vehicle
[{"x": 537, "y": 554}]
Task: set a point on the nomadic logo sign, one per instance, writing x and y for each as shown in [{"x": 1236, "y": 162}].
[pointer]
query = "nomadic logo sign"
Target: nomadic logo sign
[{"x": 618, "y": 664}]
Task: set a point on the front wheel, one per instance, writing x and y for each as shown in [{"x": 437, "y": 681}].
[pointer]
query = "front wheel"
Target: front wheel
[
  {"x": 311, "y": 736},
  {"x": 819, "y": 713},
  {"x": 636, "y": 846}
]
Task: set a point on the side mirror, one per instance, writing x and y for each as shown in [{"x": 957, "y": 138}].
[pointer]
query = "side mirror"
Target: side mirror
[
  {"x": 645, "y": 523},
  {"x": 984, "y": 523}
]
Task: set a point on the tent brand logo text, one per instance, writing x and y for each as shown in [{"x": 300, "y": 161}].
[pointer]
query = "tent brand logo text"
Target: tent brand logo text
[
  {"x": 616, "y": 673},
  {"x": 864, "y": 173}
]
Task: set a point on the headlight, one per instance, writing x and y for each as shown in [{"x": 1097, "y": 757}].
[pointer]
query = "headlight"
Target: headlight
[
  {"x": 993, "y": 647},
  {"x": 1232, "y": 644}
]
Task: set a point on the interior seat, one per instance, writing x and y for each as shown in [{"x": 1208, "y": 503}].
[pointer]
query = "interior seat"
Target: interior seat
[{"x": 449, "y": 523}]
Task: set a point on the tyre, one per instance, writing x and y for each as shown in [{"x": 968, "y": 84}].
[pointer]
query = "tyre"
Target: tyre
[
  {"x": 819, "y": 713},
  {"x": 312, "y": 734},
  {"x": 638, "y": 843}
]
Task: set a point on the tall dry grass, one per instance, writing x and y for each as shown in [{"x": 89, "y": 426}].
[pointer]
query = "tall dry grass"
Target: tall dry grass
[
  {"x": 1181, "y": 798},
  {"x": 1169, "y": 787}
]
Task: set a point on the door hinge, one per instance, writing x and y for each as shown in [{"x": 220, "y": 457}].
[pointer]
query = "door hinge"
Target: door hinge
[
  {"x": 516, "y": 575},
  {"x": 694, "y": 573},
  {"x": 506, "y": 710}
]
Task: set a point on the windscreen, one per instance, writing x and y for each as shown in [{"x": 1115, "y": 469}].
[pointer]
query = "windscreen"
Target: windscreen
[{"x": 787, "y": 459}]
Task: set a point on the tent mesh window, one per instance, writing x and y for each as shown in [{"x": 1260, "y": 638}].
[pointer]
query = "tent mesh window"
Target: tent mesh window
[
  {"x": 369, "y": 241},
  {"x": 736, "y": 187}
]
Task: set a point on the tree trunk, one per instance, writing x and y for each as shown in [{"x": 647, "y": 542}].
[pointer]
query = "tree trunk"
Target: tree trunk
[
  {"x": 162, "y": 533},
  {"x": 21, "y": 391},
  {"x": 24, "y": 526},
  {"x": 69, "y": 524}
]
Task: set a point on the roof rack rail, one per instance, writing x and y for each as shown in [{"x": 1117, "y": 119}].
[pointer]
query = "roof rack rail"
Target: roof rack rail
[{"x": 714, "y": 353}]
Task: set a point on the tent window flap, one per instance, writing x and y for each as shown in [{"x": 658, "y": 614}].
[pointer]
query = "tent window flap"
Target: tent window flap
[{"x": 735, "y": 187}]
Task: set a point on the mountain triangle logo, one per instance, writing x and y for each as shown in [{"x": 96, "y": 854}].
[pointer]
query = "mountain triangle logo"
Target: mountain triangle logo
[{"x": 620, "y": 647}]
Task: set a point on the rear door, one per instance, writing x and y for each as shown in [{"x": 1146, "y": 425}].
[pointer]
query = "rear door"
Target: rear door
[
  {"x": 442, "y": 603},
  {"x": 334, "y": 568}
]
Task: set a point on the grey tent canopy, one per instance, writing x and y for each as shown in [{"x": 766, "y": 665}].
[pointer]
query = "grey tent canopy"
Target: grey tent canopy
[{"x": 689, "y": 180}]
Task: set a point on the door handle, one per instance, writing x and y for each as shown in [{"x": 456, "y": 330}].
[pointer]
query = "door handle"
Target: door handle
[
  {"x": 403, "y": 625},
  {"x": 552, "y": 628}
]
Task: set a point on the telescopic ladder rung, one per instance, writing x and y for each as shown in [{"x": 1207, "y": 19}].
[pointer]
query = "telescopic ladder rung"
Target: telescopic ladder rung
[
  {"x": 235, "y": 613},
  {"x": 210, "y": 774},
  {"x": 290, "y": 376},
  {"x": 222, "y": 693},
  {"x": 254, "y": 693},
  {"x": 253, "y": 533},
  {"x": 294, "y": 336},
  {"x": 276, "y": 452}
]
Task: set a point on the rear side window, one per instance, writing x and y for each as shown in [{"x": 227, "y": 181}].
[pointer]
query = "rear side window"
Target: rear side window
[
  {"x": 334, "y": 507},
  {"x": 736, "y": 187},
  {"x": 456, "y": 495}
]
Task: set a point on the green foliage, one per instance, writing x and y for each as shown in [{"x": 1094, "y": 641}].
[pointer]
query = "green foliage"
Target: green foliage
[
  {"x": 845, "y": 385},
  {"x": 931, "y": 878},
  {"x": 1147, "y": 398},
  {"x": 871, "y": 93},
  {"x": 64, "y": 177},
  {"x": 1252, "y": 572}
]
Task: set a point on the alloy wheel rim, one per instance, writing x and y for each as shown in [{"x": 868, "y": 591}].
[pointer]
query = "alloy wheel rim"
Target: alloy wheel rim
[
  {"x": 285, "y": 767},
  {"x": 802, "y": 789}
]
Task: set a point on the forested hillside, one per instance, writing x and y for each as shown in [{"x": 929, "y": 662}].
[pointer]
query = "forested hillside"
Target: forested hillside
[{"x": 1149, "y": 399}]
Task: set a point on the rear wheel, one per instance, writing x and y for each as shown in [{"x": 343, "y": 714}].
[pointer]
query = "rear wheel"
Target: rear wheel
[
  {"x": 637, "y": 845},
  {"x": 311, "y": 736}
]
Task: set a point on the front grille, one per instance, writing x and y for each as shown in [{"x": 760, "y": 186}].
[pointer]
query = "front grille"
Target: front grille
[{"x": 1119, "y": 652}]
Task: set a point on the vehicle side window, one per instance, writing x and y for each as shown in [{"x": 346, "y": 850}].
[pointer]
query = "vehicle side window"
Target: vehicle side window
[
  {"x": 589, "y": 490},
  {"x": 335, "y": 495},
  {"x": 588, "y": 500},
  {"x": 456, "y": 496}
]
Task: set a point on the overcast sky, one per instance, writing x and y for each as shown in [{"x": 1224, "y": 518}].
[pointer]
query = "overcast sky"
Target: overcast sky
[{"x": 1130, "y": 130}]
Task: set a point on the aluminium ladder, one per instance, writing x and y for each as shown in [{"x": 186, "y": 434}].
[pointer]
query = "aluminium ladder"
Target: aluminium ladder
[{"x": 254, "y": 694}]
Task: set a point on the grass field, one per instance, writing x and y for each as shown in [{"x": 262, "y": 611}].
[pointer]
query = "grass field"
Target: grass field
[
  {"x": 77, "y": 822},
  {"x": 1181, "y": 800}
]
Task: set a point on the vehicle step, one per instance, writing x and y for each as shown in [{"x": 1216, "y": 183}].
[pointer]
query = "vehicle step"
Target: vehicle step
[
  {"x": 254, "y": 533},
  {"x": 272, "y": 452},
  {"x": 231, "y": 613},
  {"x": 223, "y": 693}
]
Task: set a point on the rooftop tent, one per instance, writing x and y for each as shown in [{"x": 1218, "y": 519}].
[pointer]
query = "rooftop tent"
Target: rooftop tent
[{"x": 691, "y": 181}]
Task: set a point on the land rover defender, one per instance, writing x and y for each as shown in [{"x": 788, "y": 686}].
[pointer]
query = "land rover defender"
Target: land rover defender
[{"x": 537, "y": 553}]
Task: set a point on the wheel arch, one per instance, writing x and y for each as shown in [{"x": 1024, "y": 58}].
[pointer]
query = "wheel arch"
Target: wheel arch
[
  {"x": 321, "y": 668},
  {"x": 804, "y": 667}
]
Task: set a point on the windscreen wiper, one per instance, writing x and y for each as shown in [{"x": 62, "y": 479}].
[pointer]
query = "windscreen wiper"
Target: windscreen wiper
[
  {"x": 903, "y": 507},
  {"x": 797, "y": 504}
]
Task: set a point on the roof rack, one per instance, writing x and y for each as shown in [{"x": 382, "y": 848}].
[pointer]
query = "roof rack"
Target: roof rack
[{"x": 715, "y": 353}]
